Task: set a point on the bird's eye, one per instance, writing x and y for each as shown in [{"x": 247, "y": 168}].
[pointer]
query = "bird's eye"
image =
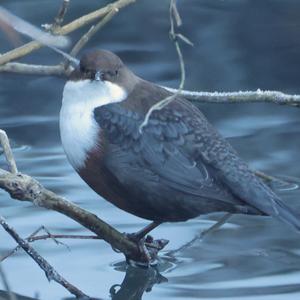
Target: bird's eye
[{"x": 116, "y": 72}]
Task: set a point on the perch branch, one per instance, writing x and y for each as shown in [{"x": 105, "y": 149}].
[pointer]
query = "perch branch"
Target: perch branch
[
  {"x": 66, "y": 29},
  {"x": 25, "y": 188},
  {"x": 50, "y": 272}
]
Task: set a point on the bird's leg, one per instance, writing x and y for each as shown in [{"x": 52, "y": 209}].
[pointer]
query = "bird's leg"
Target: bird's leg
[
  {"x": 149, "y": 247},
  {"x": 139, "y": 235}
]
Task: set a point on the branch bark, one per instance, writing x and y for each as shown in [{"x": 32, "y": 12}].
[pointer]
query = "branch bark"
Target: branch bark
[
  {"x": 30, "y": 69},
  {"x": 275, "y": 97},
  {"x": 50, "y": 272},
  {"x": 25, "y": 188}
]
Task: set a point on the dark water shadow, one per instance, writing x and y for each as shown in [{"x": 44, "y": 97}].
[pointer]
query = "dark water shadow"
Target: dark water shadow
[
  {"x": 136, "y": 282},
  {"x": 4, "y": 295}
]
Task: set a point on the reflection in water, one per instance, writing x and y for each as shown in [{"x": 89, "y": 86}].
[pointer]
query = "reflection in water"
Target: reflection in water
[
  {"x": 137, "y": 281},
  {"x": 4, "y": 295}
]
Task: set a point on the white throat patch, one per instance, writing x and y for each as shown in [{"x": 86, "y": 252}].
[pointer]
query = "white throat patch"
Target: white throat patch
[{"x": 78, "y": 129}]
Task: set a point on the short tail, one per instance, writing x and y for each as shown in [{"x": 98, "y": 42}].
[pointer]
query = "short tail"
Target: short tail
[{"x": 270, "y": 204}]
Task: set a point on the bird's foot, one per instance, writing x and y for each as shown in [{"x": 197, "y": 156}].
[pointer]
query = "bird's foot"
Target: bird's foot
[{"x": 148, "y": 248}]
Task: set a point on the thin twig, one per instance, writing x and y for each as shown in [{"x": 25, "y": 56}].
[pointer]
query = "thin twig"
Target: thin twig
[
  {"x": 88, "y": 35},
  {"x": 269, "y": 178},
  {"x": 61, "y": 14},
  {"x": 15, "y": 250},
  {"x": 34, "y": 237},
  {"x": 64, "y": 236},
  {"x": 50, "y": 272},
  {"x": 66, "y": 29},
  {"x": 216, "y": 226},
  {"x": 92, "y": 31},
  {"x": 29, "y": 69},
  {"x": 4, "y": 141},
  {"x": 241, "y": 97},
  {"x": 202, "y": 234},
  {"x": 174, "y": 17}
]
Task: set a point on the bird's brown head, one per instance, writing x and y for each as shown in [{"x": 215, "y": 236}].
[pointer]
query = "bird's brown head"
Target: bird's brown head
[{"x": 103, "y": 65}]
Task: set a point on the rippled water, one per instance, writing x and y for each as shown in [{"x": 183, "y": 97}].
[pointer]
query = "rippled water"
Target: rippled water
[{"x": 238, "y": 45}]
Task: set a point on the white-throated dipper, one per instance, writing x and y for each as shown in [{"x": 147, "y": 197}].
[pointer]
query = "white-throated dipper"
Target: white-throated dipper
[{"x": 177, "y": 168}]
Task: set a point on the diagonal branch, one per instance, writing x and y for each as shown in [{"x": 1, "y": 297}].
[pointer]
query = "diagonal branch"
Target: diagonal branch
[
  {"x": 25, "y": 188},
  {"x": 92, "y": 31},
  {"x": 50, "y": 272},
  {"x": 66, "y": 29}
]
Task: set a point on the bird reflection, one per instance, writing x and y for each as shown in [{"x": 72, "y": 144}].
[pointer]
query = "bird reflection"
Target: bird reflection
[{"x": 137, "y": 281}]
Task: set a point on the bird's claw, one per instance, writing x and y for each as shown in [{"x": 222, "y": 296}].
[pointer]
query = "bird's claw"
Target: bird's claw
[{"x": 148, "y": 248}]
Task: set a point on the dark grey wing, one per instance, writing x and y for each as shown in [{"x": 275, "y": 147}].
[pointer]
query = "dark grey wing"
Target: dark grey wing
[
  {"x": 179, "y": 150},
  {"x": 228, "y": 167},
  {"x": 157, "y": 163}
]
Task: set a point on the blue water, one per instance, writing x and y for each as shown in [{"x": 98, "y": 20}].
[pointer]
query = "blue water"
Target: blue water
[{"x": 239, "y": 45}]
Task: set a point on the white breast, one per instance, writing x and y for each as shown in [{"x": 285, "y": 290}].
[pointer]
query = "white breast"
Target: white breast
[{"x": 78, "y": 129}]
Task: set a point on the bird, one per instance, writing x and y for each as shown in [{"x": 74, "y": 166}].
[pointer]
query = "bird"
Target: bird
[{"x": 177, "y": 167}]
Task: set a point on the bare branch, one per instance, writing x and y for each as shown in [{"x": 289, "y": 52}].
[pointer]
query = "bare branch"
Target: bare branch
[
  {"x": 92, "y": 31},
  {"x": 201, "y": 235},
  {"x": 4, "y": 141},
  {"x": 243, "y": 97},
  {"x": 32, "y": 31},
  {"x": 34, "y": 237},
  {"x": 275, "y": 97},
  {"x": 50, "y": 272},
  {"x": 174, "y": 17},
  {"x": 29, "y": 69},
  {"x": 13, "y": 251},
  {"x": 25, "y": 188},
  {"x": 72, "y": 26}
]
